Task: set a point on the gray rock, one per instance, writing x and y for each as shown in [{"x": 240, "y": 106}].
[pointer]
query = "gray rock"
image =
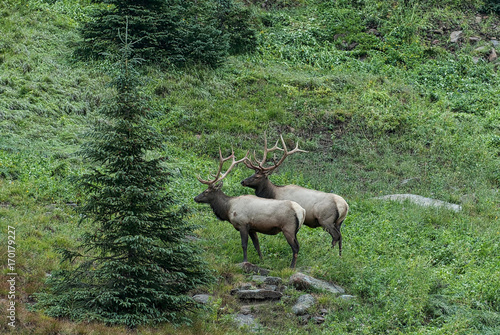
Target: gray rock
[
  {"x": 258, "y": 294},
  {"x": 247, "y": 320},
  {"x": 252, "y": 268},
  {"x": 258, "y": 278},
  {"x": 242, "y": 287},
  {"x": 304, "y": 282},
  {"x": 270, "y": 287},
  {"x": 304, "y": 302},
  {"x": 455, "y": 36},
  {"x": 347, "y": 297},
  {"x": 267, "y": 280},
  {"x": 494, "y": 42},
  {"x": 202, "y": 298},
  {"x": 422, "y": 201},
  {"x": 273, "y": 281}
]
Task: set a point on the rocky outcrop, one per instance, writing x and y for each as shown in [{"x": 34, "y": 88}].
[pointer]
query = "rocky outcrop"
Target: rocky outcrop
[
  {"x": 260, "y": 293},
  {"x": 305, "y": 282},
  {"x": 422, "y": 201}
]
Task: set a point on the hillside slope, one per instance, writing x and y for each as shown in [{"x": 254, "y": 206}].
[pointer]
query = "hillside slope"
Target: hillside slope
[{"x": 378, "y": 94}]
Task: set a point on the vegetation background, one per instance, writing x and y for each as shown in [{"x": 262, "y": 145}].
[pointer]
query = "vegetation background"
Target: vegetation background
[{"x": 376, "y": 91}]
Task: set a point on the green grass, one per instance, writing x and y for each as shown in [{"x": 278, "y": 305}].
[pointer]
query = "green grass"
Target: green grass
[{"x": 398, "y": 114}]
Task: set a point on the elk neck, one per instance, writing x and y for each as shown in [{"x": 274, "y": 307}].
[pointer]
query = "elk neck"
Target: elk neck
[
  {"x": 220, "y": 206},
  {"x": 266, "y": 189}
]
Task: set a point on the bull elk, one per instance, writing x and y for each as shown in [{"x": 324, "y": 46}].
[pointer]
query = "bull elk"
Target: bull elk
[
  {"x": 325, "y": 210},
  {"x": 250, "y": 214}
]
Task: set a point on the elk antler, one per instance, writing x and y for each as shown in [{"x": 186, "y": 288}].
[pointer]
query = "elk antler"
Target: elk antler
[
  {"x": 260, "y": 165},
  {"x": 218, "y": 176}
]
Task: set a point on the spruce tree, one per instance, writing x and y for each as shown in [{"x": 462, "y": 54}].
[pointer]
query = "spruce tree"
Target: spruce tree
[
  {"x": 169, "y": 31},
  {"x": 134, "y": 266},
  {"x": 239, "y": 25}
]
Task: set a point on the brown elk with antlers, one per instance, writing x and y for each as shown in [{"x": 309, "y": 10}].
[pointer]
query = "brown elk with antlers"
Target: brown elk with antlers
[
  {"x": 250, "y": 214},
  {"x": 325, "y": 210}
]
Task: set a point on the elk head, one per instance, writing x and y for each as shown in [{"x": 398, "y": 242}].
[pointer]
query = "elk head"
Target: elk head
[
  {"x": 215, "y": 185},
  {"x": 262, "y": 172}
]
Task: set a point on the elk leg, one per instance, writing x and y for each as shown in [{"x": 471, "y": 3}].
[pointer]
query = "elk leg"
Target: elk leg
[
  {"x": 255, "y": 240},
  {"x": 294, "y": 244},
  {"x": 244, "y": 243},
  {"x": 340, "y": 246},
  {"x": 340, "y": 238},
  {"x": 334, "y": 231}
]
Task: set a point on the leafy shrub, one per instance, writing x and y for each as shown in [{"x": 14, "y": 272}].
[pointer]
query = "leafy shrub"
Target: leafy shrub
[{"x": 340, "y": 21}]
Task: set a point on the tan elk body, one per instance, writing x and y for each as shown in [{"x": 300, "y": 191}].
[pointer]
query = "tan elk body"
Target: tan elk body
[
  {"x": 251, "y": 215},
  {"x": 323, "y": 209}
]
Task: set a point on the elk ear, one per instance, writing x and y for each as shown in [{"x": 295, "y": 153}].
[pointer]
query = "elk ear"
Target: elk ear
[{"x": 218, "y": 186}]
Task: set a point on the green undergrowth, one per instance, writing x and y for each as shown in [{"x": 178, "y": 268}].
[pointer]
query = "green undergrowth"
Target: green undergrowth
[{"x": 402, "y": 111}]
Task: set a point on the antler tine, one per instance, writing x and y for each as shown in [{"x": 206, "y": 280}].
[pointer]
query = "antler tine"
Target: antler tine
[
  {"x": 206, "y": 182},
  {"x": 261, "y": 163},
  {"x": 286, "y": 153},
  {"x": 222, "y": 160},
  {"x": 294, "y": 150},
  {"x": 249, "y": 164},
  {"x": 233, "y": 164}
]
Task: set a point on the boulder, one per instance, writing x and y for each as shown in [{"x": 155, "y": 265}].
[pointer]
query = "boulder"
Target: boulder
[
  {"x": 267, "y": 280},
  {"x": 258, "y": 294},
  {"x": 202, "y": 298},
  {"x": 304, "y": 282},
  {"x": 422, "y": 201},
  {"x": 304, "y": 302}
]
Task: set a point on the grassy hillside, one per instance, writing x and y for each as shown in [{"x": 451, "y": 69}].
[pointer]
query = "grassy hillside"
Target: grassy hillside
[{"x": 375, "y": 91}]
